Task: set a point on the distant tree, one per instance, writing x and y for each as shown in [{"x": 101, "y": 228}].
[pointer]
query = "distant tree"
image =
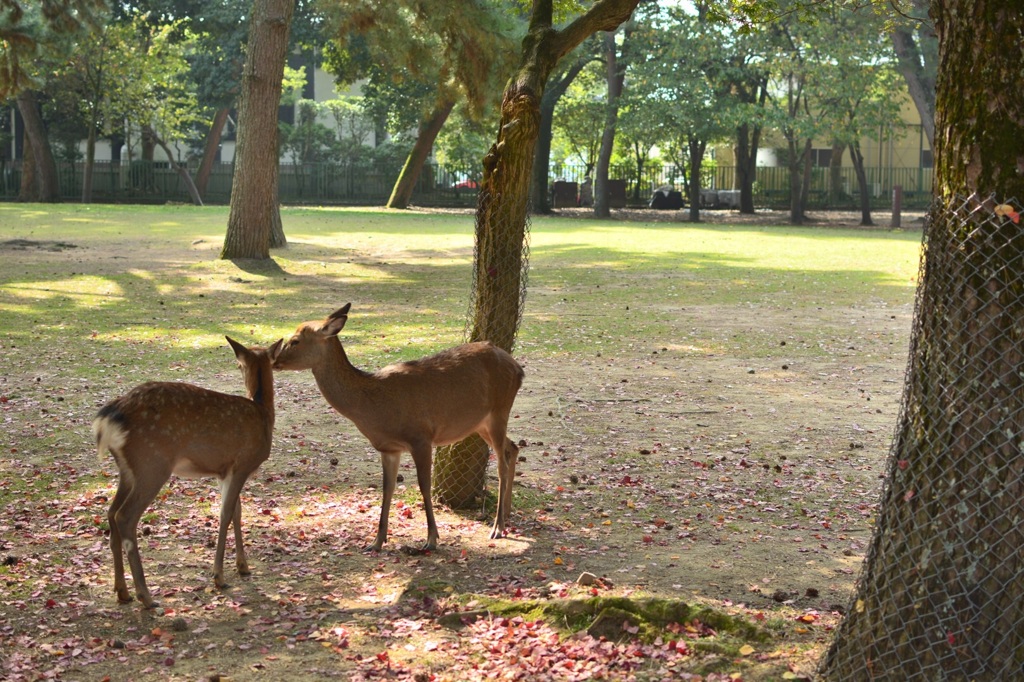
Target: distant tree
[
  {"x": 450, "y": 52},
  {"x": 254, "y": 221},
  {"x": 31, "y": 37},
  {"x": 581, "y": 114},
  {"x": 917, "y": 54},
  {"x": 680, "y": 78},
  {"x": 856, "y": 89},
  {"x": 558, "y": 85},
  {"x": 615, "y": 76}
]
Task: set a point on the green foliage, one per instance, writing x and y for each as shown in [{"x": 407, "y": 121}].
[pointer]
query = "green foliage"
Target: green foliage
[
  {"x": 33, "y": 31},
  {"x": 463, "y": 141}
]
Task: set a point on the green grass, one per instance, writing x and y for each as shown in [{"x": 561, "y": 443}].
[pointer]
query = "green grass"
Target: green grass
[
  {"x": 150, "y": 276},
  {"x": 134, "y": 293}
]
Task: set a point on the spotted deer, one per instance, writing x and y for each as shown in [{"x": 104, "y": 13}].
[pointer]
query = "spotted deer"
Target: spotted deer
[{"x": 160, "y": 428}]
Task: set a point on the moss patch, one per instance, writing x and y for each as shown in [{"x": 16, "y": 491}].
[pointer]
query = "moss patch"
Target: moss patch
[{"x": 617, "y": 618}]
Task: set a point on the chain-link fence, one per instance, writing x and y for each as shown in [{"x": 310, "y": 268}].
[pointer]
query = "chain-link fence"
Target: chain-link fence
[
  {"x": 501, "y": 262},
  {"x": 941, "y": 594}
]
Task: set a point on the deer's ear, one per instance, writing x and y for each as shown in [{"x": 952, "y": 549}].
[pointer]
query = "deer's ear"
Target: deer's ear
[
  {"x": 273, "y": 351},
  {"x": 239, "y": 349},
  {"x": 335, "y": 322}
]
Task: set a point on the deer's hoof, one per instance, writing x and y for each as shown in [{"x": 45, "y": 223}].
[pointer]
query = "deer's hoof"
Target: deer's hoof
[{"x": 123, "y": 597}]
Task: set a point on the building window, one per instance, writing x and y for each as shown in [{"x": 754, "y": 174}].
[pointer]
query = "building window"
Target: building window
[
  {"x": 926, "y": 158},
  {"x": 821, "y": 157}
]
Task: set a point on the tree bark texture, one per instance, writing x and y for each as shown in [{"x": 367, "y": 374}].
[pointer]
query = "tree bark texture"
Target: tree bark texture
[
  {"x": 429, "y": 128},
  {"x": 941, "y": 595},
  {"x": 503, "y": 200},
  {"x": 47, "y": 185},
  {"x": 254, "y": 221}
]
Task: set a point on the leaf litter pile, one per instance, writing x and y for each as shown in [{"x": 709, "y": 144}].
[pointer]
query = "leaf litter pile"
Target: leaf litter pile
[{"x": 676, "y": 516}]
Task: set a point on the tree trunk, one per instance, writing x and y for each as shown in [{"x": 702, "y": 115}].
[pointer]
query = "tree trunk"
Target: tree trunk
[
  {"x": 748, "y": 138},
  {"x": 428, "y": 131},
  {"x": 44, "y": 167},
  {"x": 213, "y": 137},
  {"x": 940, "y": 596},
  {"x": 697, "y": 148},
  {"x": 539, "y": 201},
  {"x": 29, "y": 189},
  {"x": 862, "y": 184},
  {"x": 254, "y": 221},
  {"x": 835, "y": 175},
  {"x": 179, "y": 168},
  {"x": 805, "y": 184},
  {"x": 499, "y": 268},
  {"x": 915, "y": 60},
  {"x": 797, "y": 174},
  {"x": 90, "y": 157},
  {"x": 616, "y": 75}
]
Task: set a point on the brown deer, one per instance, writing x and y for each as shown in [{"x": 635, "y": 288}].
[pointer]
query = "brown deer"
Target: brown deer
[
  {"x": 413, "y": 406},
  {"x": 160, "y": 428}
]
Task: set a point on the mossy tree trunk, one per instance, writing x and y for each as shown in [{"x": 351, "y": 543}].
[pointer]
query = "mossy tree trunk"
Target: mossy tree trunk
[
  {"x": 940, "y": 597},
  {"x": 254, "y": 222},
  {"x": 502, "y": 208}
]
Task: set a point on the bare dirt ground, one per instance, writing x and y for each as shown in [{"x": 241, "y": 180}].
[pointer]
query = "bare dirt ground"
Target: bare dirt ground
[{"x": 743, "y": 483}]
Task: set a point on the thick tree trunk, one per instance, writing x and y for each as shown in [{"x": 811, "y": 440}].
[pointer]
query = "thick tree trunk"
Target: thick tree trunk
[
  {"x": 254, "y": 222},
  {"x": 45, "y": 167},
  {"x": 213, "y": 137},
  {"x": 941, "y": 595},
  {"x": 502, "y": 206},
  {"x": 429, "y": 128},
  {"x": 862, "y": 184}
]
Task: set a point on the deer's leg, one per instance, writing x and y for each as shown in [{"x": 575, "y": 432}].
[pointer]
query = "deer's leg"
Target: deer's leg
[
  {"x": 240, "y": 560},
  {"x": 511, "y": 451},
  {"x": 126, "y": 518},
  {"x": 389, "y": 465},
  {"x": 230, "y": 489},
  {"x": 120, "y": 586},
  {"x": 505, "y": 453},
  {"x": 422, "y": 456}
]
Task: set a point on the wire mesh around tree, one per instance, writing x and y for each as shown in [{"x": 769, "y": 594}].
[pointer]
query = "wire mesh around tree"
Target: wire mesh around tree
[
  {"x": 460, "y": 470},
  {"x": 941, "y": 593}
]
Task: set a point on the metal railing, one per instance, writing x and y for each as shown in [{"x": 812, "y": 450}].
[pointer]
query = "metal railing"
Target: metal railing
[{"x": 342, "y": 183}]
